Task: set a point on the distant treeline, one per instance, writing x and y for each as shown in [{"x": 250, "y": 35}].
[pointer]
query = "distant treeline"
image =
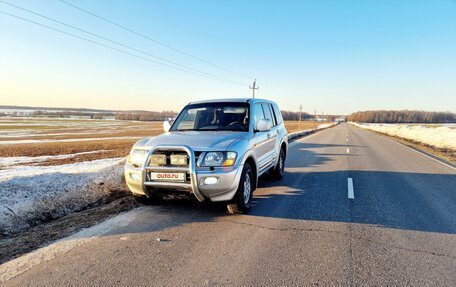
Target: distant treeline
[
  {"x": 146, "y": 116},
  {"x": 294, "y": 116},
  {"x": 67, "y": 114},
  {"x": 402, "y": 117}
]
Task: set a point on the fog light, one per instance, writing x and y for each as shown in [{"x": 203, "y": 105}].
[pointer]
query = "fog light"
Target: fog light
[
  {"x": 157, "y": 160},
  {"x": 210, "y": 180},
  {"x": 135, "y": 176},
  {"x": 177, "y": 159}
]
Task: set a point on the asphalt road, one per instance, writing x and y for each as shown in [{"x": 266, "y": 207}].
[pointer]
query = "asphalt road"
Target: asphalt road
[{"x": 399, "y": 229}]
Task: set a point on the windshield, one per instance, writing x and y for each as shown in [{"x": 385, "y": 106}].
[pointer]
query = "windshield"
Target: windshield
[{"x": 213, "y": 117}]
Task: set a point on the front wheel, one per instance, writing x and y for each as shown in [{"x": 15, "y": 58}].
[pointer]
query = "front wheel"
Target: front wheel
[{"x": 242, "y": 200}]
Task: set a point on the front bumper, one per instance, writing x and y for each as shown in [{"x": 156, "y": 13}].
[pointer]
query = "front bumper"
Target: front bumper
[{"x": 223, "y": 190}]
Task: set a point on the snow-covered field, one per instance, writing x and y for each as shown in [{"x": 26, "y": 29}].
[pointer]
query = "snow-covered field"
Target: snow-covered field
[
  {"x": 50, "y": 167},
  {"x": 31, "y": 194},
  {"x": 440, "y": 136},
  {"x": 32, "y": 191}
]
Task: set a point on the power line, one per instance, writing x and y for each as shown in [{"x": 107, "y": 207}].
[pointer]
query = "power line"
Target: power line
[
  {"x": 152, "y": 40},
  {"x": 117, "y": 43},
  {"x": 118, "y": 50}
]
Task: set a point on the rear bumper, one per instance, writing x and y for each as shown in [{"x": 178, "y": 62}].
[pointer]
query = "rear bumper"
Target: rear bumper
[{"x": 224, "y": 189}]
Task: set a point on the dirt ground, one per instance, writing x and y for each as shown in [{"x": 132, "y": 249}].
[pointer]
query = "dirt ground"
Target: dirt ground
[{"x": 37, "y": 236}]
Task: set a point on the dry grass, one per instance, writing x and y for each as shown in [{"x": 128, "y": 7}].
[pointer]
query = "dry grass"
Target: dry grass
[{"x": 294, "y": 126}]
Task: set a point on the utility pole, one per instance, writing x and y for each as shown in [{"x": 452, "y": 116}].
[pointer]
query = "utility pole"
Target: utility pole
[
  {"x": 254, "y": 88},
  {"x": 315, "y": 119},
  {"x": 300, "y": 112}
]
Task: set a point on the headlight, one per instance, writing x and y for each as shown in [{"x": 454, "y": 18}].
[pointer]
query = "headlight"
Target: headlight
[
  {"x": 137, "y": 156},
  {"x": 219, "y": 158}
]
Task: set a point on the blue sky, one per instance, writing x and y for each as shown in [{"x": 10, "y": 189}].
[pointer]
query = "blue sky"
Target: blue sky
[{"x": 333, "y": 56}]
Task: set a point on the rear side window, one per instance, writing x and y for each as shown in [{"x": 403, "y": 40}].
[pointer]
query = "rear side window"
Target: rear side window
[
  {"x": 267, "y": 113},
  {"x": 258, "y": 114},
  {"x": 278, "y": 114}
]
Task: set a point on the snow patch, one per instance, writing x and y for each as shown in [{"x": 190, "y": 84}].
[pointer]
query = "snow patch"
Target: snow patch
[
  {"x": 32, "y": 194},
  {"x": 12, "y": 161}
]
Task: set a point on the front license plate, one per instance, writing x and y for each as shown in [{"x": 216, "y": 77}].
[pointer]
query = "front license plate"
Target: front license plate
[{"x": 167, "y": 176}]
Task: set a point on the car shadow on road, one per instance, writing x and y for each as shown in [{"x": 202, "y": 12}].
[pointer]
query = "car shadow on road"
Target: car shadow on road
[{"x": 409, "y": 201}]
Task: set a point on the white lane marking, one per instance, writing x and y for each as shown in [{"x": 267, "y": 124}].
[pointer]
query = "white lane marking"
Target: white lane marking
[
  {"x": 347, "y": 139},
  {"x": 351, "y": 192},
  {"x": 348, "y": 150}
]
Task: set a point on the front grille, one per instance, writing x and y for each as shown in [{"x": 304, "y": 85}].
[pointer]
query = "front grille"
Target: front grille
[{"x": 197, "y": 156}]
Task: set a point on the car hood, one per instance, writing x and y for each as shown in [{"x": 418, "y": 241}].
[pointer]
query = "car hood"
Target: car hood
[{"x": 197, "y": 140}]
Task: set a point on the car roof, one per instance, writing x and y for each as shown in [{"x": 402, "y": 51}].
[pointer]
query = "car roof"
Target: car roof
[{"x": 233, "y": 100}]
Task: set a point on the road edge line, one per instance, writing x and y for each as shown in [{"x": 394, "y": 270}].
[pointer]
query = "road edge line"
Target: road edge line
[{"x": 436, "y": 159}]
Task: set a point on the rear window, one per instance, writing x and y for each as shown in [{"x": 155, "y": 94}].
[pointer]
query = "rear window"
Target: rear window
[{"x": 277, "y": 113}]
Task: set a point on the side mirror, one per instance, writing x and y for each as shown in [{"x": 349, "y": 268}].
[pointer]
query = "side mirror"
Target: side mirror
[
  {"x": 263, "y": 125},
  {"x": 167, "y": 125}
]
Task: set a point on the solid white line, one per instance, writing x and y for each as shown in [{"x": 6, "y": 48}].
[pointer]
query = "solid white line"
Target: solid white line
[
  {"x": 351, "y": 192},
  {"x": 419, "y": 152},
  {"x": 414, "y": 150},
  {"x": 348, "y": 150}
]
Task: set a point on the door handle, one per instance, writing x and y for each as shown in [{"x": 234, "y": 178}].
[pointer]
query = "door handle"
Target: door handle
[
  {"x": 269, "y": 136},
  {"x": 277, "y": 131}
]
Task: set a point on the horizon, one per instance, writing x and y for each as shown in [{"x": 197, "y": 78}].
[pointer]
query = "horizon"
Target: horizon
[
  {"x": 12, "y": 107},
  {"x": 335, "y": 58}
]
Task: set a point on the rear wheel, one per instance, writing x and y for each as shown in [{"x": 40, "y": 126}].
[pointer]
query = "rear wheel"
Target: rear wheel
[
  {"x": 242, "y": 200},
  {"x": 277, "y": 172}
]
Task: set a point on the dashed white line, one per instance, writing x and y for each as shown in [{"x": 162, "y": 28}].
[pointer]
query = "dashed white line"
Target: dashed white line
[
  {"x": 351, "y": 192},
  {"x": 348, "y": 150}
]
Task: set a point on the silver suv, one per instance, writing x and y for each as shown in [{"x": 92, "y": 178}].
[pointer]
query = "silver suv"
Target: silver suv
[{"x": 214, "y": 150}]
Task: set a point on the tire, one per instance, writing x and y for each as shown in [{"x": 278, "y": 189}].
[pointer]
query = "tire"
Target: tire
[
  {"x": 242, "y": 200},
  {"x": 278, "y": 170},
  {"x": 152, "y": 200}
]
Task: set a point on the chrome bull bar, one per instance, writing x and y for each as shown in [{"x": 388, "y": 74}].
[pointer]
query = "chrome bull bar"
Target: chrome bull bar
[{"x": 191, "y": 169}]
